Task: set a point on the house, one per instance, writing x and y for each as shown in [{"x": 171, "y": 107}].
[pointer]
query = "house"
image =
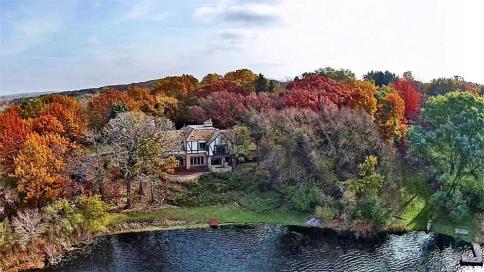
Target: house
[{"x": 203, "y": 148}]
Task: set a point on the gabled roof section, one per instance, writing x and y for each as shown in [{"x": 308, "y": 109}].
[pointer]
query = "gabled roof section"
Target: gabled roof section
[
  {"x": 228, "y": 133},
  {"x": 201, "y": 134},
  {"x": 176, "y": 138}
]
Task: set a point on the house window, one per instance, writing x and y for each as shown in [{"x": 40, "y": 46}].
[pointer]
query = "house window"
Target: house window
[
  {"x": 181, "y": 162},
  {"x": 216, "y": 161},
  {"x": 202, "y": 146},
  {"x": 197, "y": 161}
]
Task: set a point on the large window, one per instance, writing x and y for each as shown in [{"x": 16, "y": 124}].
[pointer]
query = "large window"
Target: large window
[
  {"x": 202, "y": 146},
  {"x": 197, "y": 161},
  {"x": 216, "y": 161}
]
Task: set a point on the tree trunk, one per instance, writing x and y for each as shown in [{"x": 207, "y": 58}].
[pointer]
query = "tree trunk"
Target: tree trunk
[
  {"x": 128, "y": 191},
  {"x": 152, "y": 193},
  {"x": 141, "y": 191}
]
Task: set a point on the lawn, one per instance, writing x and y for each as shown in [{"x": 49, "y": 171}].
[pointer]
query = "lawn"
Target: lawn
[
  {"x": 416, "y": 211},
  {"x": 228, "y": 213}
]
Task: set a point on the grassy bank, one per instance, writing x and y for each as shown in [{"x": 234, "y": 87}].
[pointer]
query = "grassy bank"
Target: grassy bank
[
  {"x": 416, "y": 210},
  {"x": 215, "y": 196},
  {"x": 227, "y": 213}
]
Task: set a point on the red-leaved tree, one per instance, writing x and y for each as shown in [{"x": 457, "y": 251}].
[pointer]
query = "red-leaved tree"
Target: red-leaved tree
[{"x": 408, "y": 92}]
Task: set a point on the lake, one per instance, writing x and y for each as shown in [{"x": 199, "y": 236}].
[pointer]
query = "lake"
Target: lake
[{"x": 265, "y": 248}]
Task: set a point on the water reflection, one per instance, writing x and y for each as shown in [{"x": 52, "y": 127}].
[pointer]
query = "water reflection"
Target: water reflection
[{"x": 265, "y": 248}]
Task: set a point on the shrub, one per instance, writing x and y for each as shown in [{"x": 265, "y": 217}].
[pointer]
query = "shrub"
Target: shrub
[
  {"x": 6, "y": 236},
  {"x": 304, "y": 197},
  {"x": 325, "y": 213},
  {"x": 455, "y": 204},
  {"x": 62, "y": 219},
  {"x": 212, "y": 189},
  {"x": 261, "y": 201},
  {"x": 370, "y": 209},
  {"x": 28, "y": 225},
  {"x": 93, "y": 209}
]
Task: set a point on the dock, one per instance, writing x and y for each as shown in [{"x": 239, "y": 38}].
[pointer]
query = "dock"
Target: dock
[{"x": 475, "y": 259}]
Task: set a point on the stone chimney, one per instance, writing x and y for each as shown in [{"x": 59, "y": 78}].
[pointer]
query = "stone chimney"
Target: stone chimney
[{"x": 208, "y": 123}]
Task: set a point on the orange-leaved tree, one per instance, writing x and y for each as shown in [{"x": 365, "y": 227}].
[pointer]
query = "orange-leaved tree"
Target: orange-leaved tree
[
  {"x": 101, "y": 106},
  {"x": 69, "y": 113},
  {"x": 363, "y": 96},
  {"x": 176, "y": 86},
  {"x": 41, "y": 167},
  {"x": 390, "y": 116},
  {"x": 13, "y": 133}
]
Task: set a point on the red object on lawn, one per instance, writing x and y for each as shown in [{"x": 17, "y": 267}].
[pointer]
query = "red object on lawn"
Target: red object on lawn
[{"x": 213, "y": 223}]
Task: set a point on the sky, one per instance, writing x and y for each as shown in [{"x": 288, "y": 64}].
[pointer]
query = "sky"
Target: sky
[{"x": 56, "y": 45}]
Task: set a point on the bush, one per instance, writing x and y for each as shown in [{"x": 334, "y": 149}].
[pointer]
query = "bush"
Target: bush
[
  {"x": 261, "y": 201},
  {"x": 455, "y": 204},
  {"x": 325, "y": 213},
  {"x": 93, "y": 210},
  {"x": 28, "y": 225},
  {"x": 6, "y": 236},
  {"x": 304, "y": 197},
  {"x": 62, "y": 219},
  {"x": 370, "y": 209},
  {"x": 212, "y": 189}
]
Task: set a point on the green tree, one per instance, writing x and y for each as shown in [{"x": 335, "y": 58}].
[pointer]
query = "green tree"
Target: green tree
[
  {"x": 117, "y": 108},
  {"x": 450, "y": 139},
  {"x": 370, "y": 181},
  {"x": 330, "y": 72},
  {"x": 261, "y": 84},
  {"x": 381, "y": 78}
]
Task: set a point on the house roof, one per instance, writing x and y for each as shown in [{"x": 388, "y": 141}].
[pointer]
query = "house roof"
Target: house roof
[
  {"x": 205, "y": 132},
  {"x": 201, "y": 134},
  {"x": 226, "y": 132},
  {"x": 176, "y": 138}
]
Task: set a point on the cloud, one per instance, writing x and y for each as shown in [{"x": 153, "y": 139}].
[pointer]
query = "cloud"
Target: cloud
[
  {"x": 27, "y": 25},
  {"x": 232, "y": 12}
]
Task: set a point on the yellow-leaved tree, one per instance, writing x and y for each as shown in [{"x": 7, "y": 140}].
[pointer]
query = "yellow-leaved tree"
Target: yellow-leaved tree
[{"x": 41, "y": 167}]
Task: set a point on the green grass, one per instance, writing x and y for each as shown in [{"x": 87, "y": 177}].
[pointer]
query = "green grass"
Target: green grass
[
  {"x": 416, "y": 194},
  {"x": 224, "y": 213},
  {"x": 261, "y": 201}
]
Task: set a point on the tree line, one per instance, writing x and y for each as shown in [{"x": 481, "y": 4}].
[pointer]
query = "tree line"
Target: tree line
[{"x": 332, "y": 142}]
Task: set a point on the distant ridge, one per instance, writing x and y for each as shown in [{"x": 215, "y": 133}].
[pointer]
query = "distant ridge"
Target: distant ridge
[{"x": 119, "y": 87}]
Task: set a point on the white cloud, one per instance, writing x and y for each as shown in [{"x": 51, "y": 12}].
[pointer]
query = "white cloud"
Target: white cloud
[
  {"x": 232, "y": 12},
  {"x": 433, "y": 38}
]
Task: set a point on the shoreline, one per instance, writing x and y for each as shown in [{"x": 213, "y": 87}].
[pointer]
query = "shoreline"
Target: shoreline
[{"x": 187, "y": 218}]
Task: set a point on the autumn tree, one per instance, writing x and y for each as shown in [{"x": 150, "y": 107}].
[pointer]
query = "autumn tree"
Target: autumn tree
[
  {"x": 407, "y": 91},
  {"x": 138, "y": 145},
  {"x": 316, "y": 93},
  {"x": 222, "y": 85},
  {"x": 41, "y": 167},
  {"x": 142, "y": 96},
  {"x": 224, "y": 108},
  {"x": 68, "y": 112},
  {"x": 176, "y": 86},
  {"x": 363, "y": 96},
  {"x": 47, "y": 124},
  {"x": 330, "y": 72},
  {"x": 244, "y": 78},
  {"x": 100, "y": 107},
  {"x": 13, "y": 133},
  {"x": 390, "y": 116},
  {"x": 380, "y": 78},
  {"x": 211, "y": 78}
]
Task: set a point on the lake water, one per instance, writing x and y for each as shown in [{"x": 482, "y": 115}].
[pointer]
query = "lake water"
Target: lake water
[{"x": 265, "y": 248}]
